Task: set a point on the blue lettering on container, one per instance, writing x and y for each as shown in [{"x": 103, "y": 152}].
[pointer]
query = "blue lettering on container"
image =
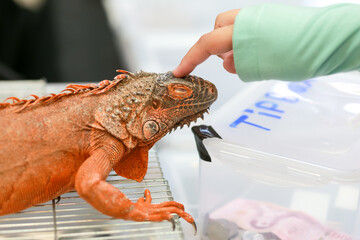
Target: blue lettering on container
[
  {"x": 270, "y": 107},
  {"x": 242, "y": 119},
  {"x": 300, "y": 87},
  {"x": 276, "y": 96},
  {"x": 267, "y": 105}
]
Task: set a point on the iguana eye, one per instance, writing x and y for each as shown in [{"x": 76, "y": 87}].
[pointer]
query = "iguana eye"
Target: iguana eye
[
  {"x": 179, "y": 91},
  {"x": 150, "y": 129}
]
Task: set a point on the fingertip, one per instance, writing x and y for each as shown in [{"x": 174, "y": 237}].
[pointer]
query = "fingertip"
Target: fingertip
[
  {"x": 228, "y": 62},
  {"x": 175, "y": 72},
  {"x": 229, "y": 67},
  {"x": 178, "y": 72}
]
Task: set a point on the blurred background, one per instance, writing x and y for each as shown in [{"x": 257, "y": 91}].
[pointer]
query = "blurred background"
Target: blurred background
[{"x": 87, "y": 40}]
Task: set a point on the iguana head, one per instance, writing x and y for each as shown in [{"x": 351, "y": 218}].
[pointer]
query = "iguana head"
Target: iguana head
[
  {"x": 139, "y": 109},
  {"x": 146, "y": 106},
  {"x": 173, "y": 103}
]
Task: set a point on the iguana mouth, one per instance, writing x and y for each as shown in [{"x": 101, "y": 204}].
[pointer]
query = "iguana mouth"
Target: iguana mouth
[{"x": 188, "y": 120}]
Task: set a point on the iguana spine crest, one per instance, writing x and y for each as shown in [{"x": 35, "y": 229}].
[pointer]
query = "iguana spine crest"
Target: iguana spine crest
[{"x": 70, "y": 89}]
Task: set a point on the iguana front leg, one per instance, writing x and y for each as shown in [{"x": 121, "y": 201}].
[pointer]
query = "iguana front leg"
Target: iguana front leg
[{"x": 91, "y": 186}]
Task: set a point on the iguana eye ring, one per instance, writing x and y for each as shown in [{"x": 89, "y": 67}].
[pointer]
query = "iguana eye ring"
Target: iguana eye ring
[{"x": 150, "y": 129}]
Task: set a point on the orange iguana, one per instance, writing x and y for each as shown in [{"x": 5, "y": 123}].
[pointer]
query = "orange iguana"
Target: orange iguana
[{"x": 56, "y": 143}]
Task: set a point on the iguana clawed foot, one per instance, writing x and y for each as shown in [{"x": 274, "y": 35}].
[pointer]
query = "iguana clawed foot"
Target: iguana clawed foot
[{"x": 145, "y": 210}]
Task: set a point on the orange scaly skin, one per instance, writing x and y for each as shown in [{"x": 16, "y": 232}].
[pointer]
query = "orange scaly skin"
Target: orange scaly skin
[{"x": 53, "y": 144}]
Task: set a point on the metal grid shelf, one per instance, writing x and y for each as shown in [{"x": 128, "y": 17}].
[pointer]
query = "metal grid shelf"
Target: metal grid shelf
[{"x": 73, "y": 218}]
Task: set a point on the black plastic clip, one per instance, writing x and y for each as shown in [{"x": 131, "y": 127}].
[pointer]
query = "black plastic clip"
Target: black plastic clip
[{"x": 200, "y": 133}]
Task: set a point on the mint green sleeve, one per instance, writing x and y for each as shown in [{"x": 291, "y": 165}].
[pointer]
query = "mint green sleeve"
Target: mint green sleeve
[{"x": 296, "y": 43}]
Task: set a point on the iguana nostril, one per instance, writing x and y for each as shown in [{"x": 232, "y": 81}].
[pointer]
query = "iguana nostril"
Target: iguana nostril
[{"x": 211, "y": 91}]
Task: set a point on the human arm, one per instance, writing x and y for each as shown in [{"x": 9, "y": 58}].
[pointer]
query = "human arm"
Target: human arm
[
  {"x": 296, "y": 43},
  {"x": 285, "y": 42}
]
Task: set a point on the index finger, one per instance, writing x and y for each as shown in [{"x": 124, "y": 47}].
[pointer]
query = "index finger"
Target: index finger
[{"x": 213, "y": 43}]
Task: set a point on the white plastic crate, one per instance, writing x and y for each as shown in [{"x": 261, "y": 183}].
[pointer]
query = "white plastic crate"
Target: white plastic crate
[{"x": 287, "y": 166}]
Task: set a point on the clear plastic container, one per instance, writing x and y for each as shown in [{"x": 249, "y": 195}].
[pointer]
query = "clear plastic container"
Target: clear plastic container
[{"x": 290, "y": 145}]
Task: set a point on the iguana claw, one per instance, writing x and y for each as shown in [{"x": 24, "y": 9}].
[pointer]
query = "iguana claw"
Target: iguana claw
[
  {"x": 195, "y": 228},
  {"x": 57, "y": 199},
  {"x": 172, "y": 220}
]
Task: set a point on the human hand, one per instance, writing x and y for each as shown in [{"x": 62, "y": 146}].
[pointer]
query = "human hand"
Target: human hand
[{"x": 217, "y": 42}]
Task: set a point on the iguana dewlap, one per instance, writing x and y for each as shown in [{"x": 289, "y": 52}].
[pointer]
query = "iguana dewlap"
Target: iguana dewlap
[{"x": 56, "y": 143}]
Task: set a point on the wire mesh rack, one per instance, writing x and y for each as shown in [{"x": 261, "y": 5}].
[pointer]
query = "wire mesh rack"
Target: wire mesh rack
[{"x": 73, "y": 218}]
